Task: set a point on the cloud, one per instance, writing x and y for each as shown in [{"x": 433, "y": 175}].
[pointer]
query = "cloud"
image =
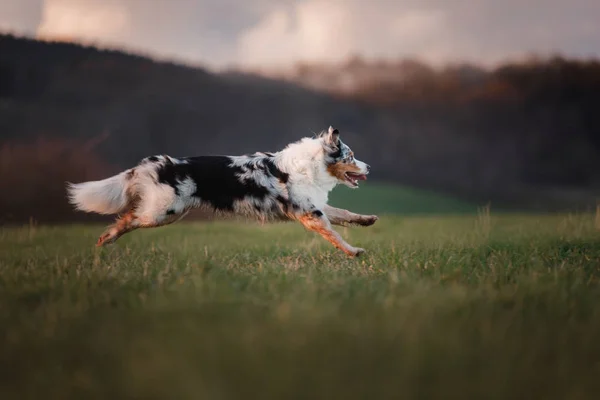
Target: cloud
[
  {"x": 281, "y": 32},
  {"x": 190, "y": 30},
  {"x": 308, "y": 31},
  {"x": 21, "y": 16},
  {"x": 105, "y": 21},
  {"x": 436, "y": 31},
  {"x": 329, "y": 30}
]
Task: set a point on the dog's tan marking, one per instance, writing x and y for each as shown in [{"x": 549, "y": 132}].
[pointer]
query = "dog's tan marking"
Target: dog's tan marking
[
  {"x": 339, "y": 170},
  {"x": 338, "y": 216},
  {"x": 131, "y": 221},
  {"x": 321, "y": 225},
  {"x": 125, "y": 223}
]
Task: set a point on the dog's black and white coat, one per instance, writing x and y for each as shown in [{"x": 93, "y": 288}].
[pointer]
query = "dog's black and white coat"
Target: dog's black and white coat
[{"x": 292, "y": 184}]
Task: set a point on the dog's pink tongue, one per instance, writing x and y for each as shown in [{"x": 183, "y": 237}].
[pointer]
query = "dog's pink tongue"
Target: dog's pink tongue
[{"x": 359, "y": 177}]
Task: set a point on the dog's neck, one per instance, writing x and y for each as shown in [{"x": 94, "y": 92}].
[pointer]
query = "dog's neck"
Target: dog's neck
[{"x": 304, "y": 161}]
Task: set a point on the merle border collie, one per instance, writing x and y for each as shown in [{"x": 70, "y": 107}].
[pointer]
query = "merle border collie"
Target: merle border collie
[{"x": 292, "y": 184}]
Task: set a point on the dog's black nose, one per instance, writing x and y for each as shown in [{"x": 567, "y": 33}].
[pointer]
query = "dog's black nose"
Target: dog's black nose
[{"x": 368, "y": 167}]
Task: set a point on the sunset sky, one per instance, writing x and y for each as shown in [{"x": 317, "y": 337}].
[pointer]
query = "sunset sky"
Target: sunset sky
[{"x": 269, "y": 33}]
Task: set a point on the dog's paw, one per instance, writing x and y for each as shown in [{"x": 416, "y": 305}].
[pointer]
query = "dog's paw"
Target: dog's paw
[
  {"x": 103, "y": 240},
  {"x": 369, "y": 220},
  {"x": 357, "y": 252},
  {"x": 108, "y": 237}
]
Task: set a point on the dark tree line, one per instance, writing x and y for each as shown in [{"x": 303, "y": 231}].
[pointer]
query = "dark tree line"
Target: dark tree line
[{"x": 523, "y": 134}]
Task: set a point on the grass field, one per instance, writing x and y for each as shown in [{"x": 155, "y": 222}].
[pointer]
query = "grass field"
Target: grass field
[{"x": 461, "y": 307}]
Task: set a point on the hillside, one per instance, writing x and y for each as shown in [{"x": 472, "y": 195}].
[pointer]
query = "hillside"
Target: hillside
[{"x": 522, "y": 135}]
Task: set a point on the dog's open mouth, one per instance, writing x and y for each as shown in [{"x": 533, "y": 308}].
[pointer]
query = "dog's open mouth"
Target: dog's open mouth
[{"x": 353, "y": 178}]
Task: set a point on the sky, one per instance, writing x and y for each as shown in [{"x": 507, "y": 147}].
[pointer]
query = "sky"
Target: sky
[{"x": 269, "y": 33}]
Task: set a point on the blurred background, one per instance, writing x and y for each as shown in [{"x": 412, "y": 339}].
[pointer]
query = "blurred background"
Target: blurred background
[{"x": 454, "y": 103}]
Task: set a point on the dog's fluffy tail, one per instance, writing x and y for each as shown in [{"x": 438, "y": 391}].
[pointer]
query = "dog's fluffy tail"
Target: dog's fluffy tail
[{"x": 108, "y": 196}]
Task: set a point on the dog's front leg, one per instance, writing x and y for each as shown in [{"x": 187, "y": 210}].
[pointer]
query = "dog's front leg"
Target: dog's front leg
[
  {"x": 338, "y": 216},
  {"x": 316, "y": 221}
]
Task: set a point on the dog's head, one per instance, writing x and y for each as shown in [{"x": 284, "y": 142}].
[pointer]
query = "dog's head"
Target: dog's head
[{"x": 340, "y": 161}]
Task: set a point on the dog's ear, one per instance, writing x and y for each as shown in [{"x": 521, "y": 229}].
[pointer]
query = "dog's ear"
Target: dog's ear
[{"x": 333, "y": 137}]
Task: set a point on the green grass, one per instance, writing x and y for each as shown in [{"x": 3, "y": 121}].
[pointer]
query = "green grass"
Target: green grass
[
  {"x": 445, "y": 307},
  {"x": 381, "y": 198}
]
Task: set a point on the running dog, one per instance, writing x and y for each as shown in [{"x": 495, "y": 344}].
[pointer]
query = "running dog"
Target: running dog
[{"x": 292, "y": 184}]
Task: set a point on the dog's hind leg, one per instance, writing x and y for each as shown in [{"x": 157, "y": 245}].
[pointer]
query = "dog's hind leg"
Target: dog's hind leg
[
  {"x": 131, "y": 221},
  {"x": 125, "y": 223},
  {"x": 341, "y": 217},
  {"x": 316, "y": 221}
]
